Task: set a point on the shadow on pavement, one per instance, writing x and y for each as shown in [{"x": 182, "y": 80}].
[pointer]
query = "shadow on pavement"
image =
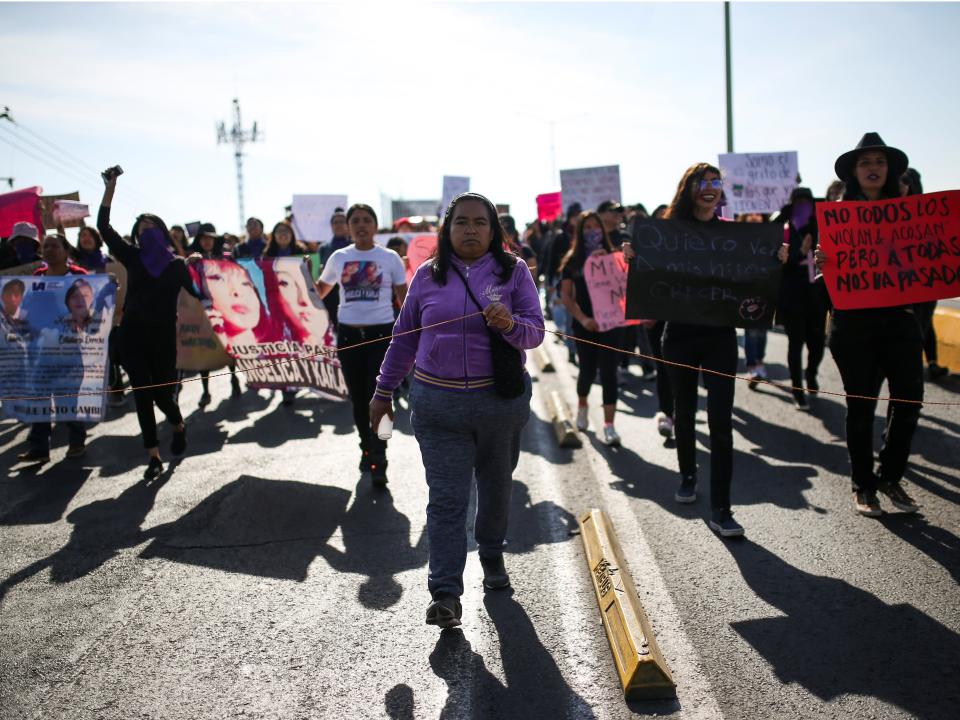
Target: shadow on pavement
[
  {"x": 399, "y": 702},
  {"x": 937, "y": 543},
  {"x": 835, "y": 639},
  {"x": 534, "y": 686},
  {"x": 31, "y": 499},
  {"x": 793, "y": 446},
  {"x": 533, "y": 524}
]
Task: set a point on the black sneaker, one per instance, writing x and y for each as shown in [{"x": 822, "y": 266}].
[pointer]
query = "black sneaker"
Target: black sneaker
[
  {"x": 898, "y": 496},
  {"x": 154, "y": 468},
  {"x": 204, "y": 400},
  {"x": 723, "y": 523},
  {"x": 179, "y": 443},
  {"x": 687, "y": 492},
  {"x": 77, "y": 451},
  {"x": 800, "y": 400},
  {"x": 494, "y": 573},
  {"x": 937, "y": 371},
  {"x": 378, "y": 471},
  {"x": 34, "y": 456},
  {"x": 445, "y": 611}
]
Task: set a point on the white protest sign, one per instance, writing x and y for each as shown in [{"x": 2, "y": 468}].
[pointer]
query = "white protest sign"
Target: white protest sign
[
  {"x": 590, "y": 186},
  {"x": 311, "y": 216},
  {"x": 757, "y": 182},
  {"x": 69, "y": 212},
  {"x": 452, "y": 186}
]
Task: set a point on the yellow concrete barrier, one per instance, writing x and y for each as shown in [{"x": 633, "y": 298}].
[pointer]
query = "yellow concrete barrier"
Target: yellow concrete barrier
[
  {"x": 542, "y": 358},
  {"x": 640, "y": 664},
  {"x": 946, "y": 322},
  {"x": 563, "y": 428}
]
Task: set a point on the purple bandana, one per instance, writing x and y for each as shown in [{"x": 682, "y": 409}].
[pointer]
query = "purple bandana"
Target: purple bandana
[
  {"x": 155, "y": 252},
  {"x": 801, "y": 214}
]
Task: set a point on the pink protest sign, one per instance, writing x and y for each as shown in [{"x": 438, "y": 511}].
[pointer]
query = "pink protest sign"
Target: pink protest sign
[
  {"x": 419, "y": 248},
  {"x": 606, "y": 278},
  {"x": 549, "y": 206},
  {"x": 20, "y": 206}
]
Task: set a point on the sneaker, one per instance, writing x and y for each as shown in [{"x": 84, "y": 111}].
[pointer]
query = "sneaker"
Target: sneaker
[
  {"x": 812, "y": 384},
  {"x": 494, "y": 573},
  {"x": 179, "y": 443},
  {"x": 687, "y": 492},
  {"x": 583, "y": 418},
  {"x": 76, "y": 451},
  {"x": 444, "y": 612},
  {"x": 753, "y": 379},
  {"x": 649, "y": 374},
  {"x": 937, "y": 371},
  {"x": 289, "y": 396},
  {"x": 34, "y": 456},
  {"x": 235, "y": 387},
  {"x": 865, "y": 502},
  {"x": 378, "y": 471},
  {"x": 898, "y": 496},
  {"x": 664, "y": 425},
  {"x": 611, "y": 436},
  {"x": 204, "y": 400},
  {"x": 723, "y": 523},
  {"x": 800, "y": 400},
  {"x": 154, "y": 468}
]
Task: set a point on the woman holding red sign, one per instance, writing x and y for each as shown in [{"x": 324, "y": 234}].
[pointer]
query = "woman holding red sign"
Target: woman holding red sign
[{"x": 873, "y": 343}]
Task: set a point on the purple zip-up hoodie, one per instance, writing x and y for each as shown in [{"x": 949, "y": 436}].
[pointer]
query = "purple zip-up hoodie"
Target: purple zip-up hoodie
[{"x": 456, "y": 355}]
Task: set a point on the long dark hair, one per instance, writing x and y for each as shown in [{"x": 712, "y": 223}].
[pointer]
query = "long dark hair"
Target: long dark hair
[
  {"x": 681, "y": 208},
  {"x": 296, "y": 247},
  {"x": 160, "y": 224},
  {"x": 911, "y": 178},
  {"x": 851, "y": 188},
  {"x": 361, "y": 206},
  {"x": 577, "y": 254},
  {"x": 441, "y": 256}
]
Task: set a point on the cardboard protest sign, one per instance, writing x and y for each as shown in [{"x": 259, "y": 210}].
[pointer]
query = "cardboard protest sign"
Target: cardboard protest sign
[
  {"x": 590, "y": 186},
  {"x": 268, "y": 316},
  {"x": 48, "y": 202},
  {"x": 549, "y": 206},
  {"x": 606, "y": 278},
  {"x": 54, "y": 333},
  {"x": 891, "y": 252},
  {"x": 716, "y": 273},
  {"x": 757, "y": 182},
  {"x": 311, "y": 216},
  {"x": 69, "y": 213},
  {"x": 198, "y": 347},
  {"x": 452, "y": 186},
  {"x": 20, "y": 206}
]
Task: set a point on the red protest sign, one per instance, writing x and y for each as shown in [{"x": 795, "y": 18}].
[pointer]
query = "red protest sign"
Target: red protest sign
[
  {"x": 891, "y": 252},
  {"x": 549, "y": 206}
]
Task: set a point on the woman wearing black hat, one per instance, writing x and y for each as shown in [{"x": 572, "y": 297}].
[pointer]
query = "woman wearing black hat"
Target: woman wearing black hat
[
  {"x": 872, "y": 343},
  {"x": 803, "y": 302}
]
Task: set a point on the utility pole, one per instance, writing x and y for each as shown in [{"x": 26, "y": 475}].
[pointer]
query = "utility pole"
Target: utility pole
[
  {"x": 8, "y": 180},
  {"x": 726, "y": 23},
  {"x": 239, "y": 137}
]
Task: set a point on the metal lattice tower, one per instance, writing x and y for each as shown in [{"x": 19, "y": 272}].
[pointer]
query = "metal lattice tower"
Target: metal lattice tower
[{"x": 239, "y": 137}]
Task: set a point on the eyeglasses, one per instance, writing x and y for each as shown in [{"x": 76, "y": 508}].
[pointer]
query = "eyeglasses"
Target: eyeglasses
[{"x": 716, "y": 184}]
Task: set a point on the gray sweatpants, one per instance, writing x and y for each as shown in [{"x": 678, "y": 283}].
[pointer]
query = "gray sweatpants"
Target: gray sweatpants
[{"x": 463, "y": 435}]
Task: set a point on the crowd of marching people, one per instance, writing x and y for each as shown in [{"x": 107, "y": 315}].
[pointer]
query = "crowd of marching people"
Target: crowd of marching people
[{"x": 456, "y": 340}]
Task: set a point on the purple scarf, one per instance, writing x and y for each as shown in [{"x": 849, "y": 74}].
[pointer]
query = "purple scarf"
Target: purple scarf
[{"x": 155, "y": 251}]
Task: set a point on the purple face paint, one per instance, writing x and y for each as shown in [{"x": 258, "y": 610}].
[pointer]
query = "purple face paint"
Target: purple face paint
[{"x": 155, "y": 252}]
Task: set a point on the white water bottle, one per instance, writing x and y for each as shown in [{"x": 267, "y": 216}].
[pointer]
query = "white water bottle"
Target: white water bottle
[{"x": 385, "y": 428}]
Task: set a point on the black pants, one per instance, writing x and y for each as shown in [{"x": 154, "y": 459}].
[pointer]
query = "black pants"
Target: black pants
[
  {"x": 664, "y": 389},
  {"x": 868, "y": 346},
  {"x": 711, "y": 350},
  {"x": 149, "y": 355},
  {"x": 924, "y": 313},
  {"x": 804, "y": 326},
  {"x": 360, "y": 367},
  {"x": 592, "y": 358}
]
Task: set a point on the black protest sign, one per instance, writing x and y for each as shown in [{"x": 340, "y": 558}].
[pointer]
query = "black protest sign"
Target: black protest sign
[{"x": 715, "y": 273}]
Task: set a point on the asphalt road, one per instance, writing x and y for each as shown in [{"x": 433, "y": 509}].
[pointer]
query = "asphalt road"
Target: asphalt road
[{"x": 262, "y": 577}]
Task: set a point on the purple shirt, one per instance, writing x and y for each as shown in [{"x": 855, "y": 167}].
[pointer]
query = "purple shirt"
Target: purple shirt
[{"x": 459, "y": 350}]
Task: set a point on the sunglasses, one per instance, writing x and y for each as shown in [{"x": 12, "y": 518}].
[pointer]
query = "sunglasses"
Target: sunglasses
[{"x": 716, "y": 184}]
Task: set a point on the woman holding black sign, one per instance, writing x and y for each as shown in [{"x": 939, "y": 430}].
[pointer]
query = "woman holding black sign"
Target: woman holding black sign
[
  {"x": 590, "y": 239},
  {"x": 470, "y": 396},
  {"x": 872, "y": 343}
]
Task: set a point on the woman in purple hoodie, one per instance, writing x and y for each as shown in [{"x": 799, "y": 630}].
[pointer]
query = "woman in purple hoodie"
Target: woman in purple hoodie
[{"x": 464, "y": 427}]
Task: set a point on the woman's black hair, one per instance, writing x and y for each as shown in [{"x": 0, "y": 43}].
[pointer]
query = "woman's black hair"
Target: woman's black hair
[
  {"x": 366, "y": 208},
  {"x": 851, "y": 188},
  {"x": 216, "y": 253},
  {"x": 338, "y": 212},
  {"x": 441, "y": 256},
  {"x": 160, "y": 224},
  {"x": 64, "y": 243},
  {"x": 657, "y": 209},
  {"x": 577, "y": 254},
  {"x": 296, "y": 247},
  {"x": 911, "y": 178},
  {"x": 74, "y": 288},
  {"x": 681, "y": 208},
  {"x": 94, "y": 233}
]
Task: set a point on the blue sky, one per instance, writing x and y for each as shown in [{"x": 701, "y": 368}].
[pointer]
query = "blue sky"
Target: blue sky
[{"x": 384, "y": 100}]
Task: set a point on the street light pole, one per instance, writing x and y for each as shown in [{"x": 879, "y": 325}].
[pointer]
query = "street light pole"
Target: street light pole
[{"x": 726, "y": 23}]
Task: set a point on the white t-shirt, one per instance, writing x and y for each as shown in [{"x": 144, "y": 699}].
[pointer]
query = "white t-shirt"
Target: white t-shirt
[{"x": 366, "y": 279}]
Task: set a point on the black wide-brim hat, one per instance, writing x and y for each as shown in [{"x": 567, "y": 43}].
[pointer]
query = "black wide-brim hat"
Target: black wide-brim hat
[{"x": 897, "y": 159}]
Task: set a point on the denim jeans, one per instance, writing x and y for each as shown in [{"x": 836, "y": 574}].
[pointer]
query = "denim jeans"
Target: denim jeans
[{"x": 755, "y": 346}]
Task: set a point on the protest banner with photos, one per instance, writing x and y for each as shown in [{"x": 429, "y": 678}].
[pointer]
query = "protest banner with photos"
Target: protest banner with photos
[
  {"x": 268, "y": 316},
  {"x": 54, "y": 333},
  {"x": 757, "y": 182},
  {"x": 891, "y": 252},
  {"x": 452, "y": 186},
  {"x": 716, "y": 273},
  {"x": 549, "y": 206},
  {"x": 606, "y": 278},
  {"x": 590, "y": 186},
  {"x": 311, "y": 216},
  {"x": 198, "y": 347}
]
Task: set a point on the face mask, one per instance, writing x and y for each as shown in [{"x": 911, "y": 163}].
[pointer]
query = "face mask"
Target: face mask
[
  {"x": 592, "y": 239},
  {"x": 801, "y": 215},
  {"x": 25, "y": 252}
]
